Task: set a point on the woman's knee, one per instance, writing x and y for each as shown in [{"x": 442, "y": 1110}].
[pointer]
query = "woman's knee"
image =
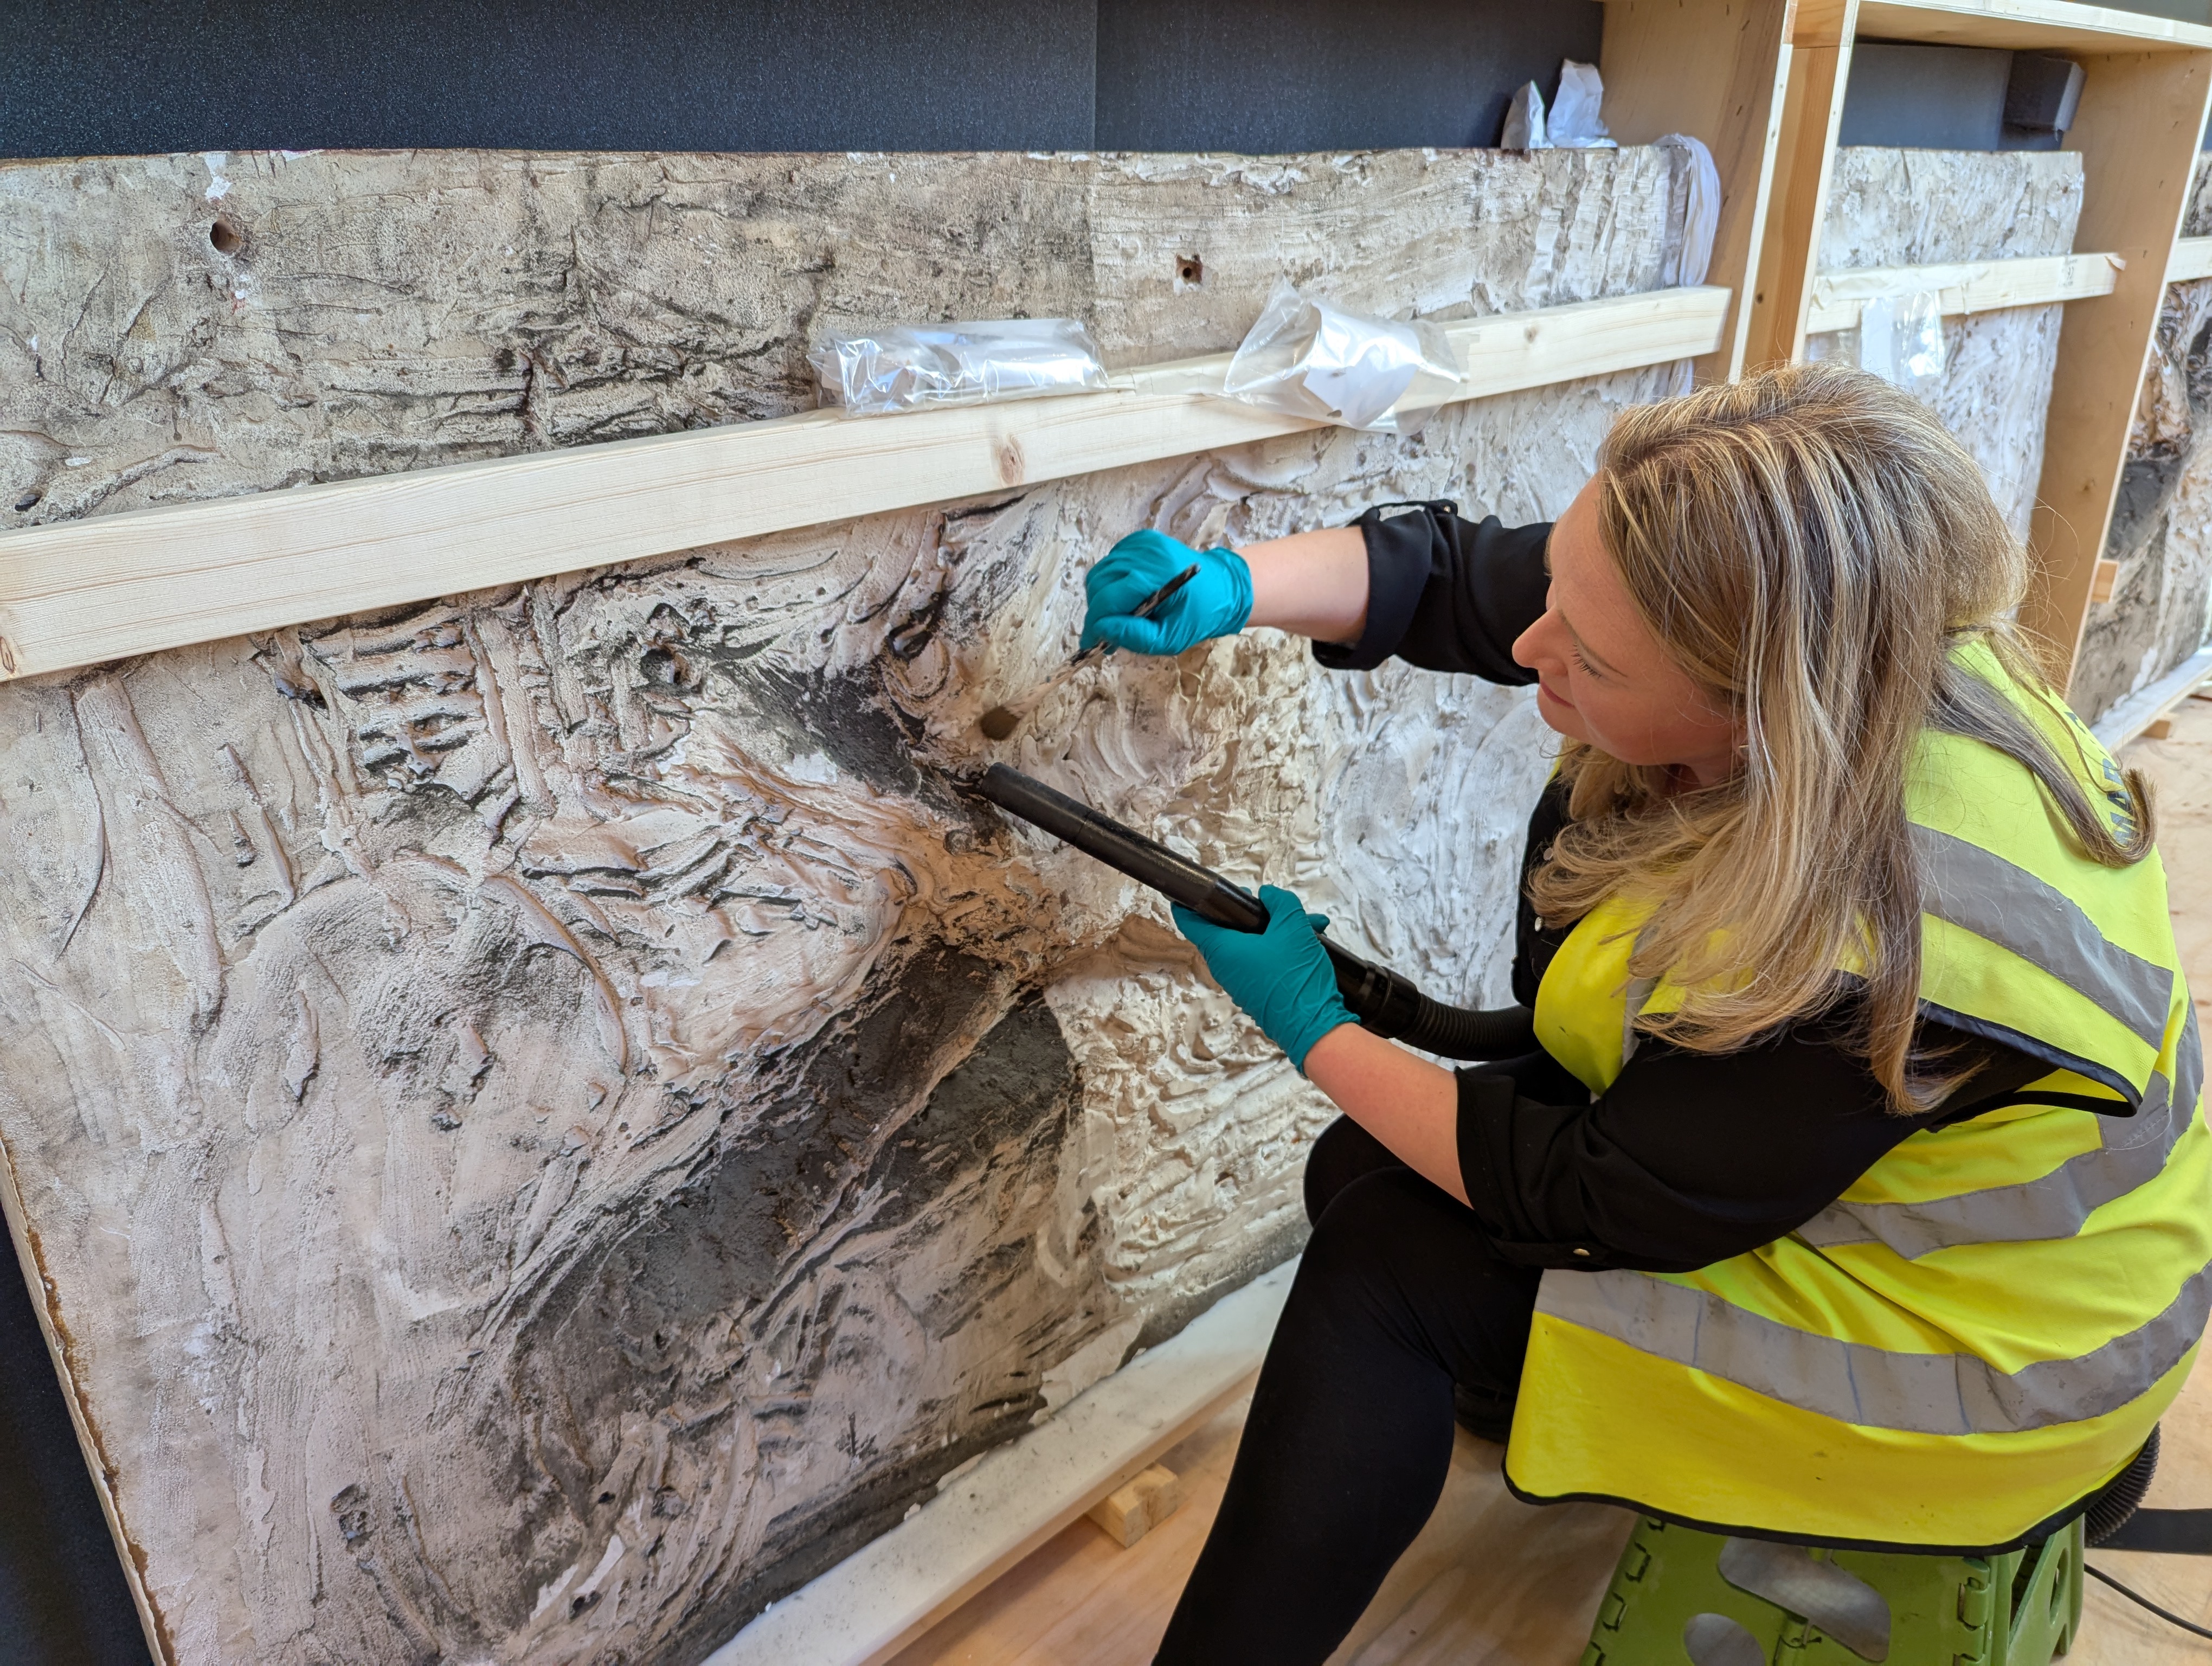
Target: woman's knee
[{"x": 1344, "y": 1153}]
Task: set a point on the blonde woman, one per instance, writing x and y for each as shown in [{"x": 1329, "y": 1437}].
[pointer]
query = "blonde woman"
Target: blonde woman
[{"x": 1859, "y": 1194}]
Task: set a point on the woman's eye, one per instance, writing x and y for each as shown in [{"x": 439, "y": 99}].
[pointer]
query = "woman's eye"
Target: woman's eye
[{"x": 1588, "y": 669}]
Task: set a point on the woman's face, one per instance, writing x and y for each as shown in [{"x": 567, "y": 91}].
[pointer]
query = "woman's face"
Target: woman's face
[{"x": 1602, "y": 675}]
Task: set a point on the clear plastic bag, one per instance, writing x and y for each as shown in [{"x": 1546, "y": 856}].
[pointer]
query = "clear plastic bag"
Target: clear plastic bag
[
  {"x": 911, "y": 367},
  {"x": 1307, "y": 358},
  {"x": 1575, "y": 121},
  {"x": 1901, "y": 339}
]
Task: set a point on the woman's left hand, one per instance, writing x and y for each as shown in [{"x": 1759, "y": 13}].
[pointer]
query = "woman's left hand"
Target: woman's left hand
[{"x": 1281, "y": 977}]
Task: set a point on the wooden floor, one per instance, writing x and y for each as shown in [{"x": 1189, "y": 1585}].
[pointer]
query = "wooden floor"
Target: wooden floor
[{"x": 1491, "y": 1582}]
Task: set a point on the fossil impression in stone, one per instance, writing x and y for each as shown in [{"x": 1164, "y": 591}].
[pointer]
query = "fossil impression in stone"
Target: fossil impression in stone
[{"x": 546, "y": 1118}]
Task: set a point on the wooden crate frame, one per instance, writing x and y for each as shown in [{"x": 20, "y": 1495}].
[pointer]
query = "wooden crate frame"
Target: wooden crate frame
[{"x": 2143, "y": 114}]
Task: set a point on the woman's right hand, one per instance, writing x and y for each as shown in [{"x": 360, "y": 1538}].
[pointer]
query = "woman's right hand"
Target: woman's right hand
[{"x": 1215, "y": 603}]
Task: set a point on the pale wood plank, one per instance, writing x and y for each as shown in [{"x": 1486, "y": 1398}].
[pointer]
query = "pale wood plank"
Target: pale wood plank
[
  {"x": 1975, "y": 286},
  {"x": 1819, "y": 67},
  {"x": 1129, "y": 1512},
  {"x": 2192, "y": 259},
  {"x": 2048, "y": 25},
  {"x": 90, "y": 591},
  {"x": 1716, "y": 69}
]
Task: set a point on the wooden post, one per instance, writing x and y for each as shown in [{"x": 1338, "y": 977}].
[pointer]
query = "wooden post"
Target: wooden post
[
  {"x": 1819, "y": 68},
  {"x": 1715, "y": 70},
  {"x": 2137, "y": 132}
]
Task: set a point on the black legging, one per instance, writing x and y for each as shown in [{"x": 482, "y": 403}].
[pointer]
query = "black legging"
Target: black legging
[{"x": 1400, "y": 1296}]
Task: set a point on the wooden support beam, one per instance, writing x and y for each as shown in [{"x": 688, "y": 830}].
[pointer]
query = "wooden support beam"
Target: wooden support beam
[
  {"x": 83, "y": 591},
  {"x": 1129, "y": 1512},
  {"x": 1980, "y": 286},
  {"x": 1819, "y": 66},
  {"x": 1718, "y": 70},
  {"x": 2192, "y": 259},
  {"x": 2137, "y": 130},
  {"x": 2044, "y": 25}
]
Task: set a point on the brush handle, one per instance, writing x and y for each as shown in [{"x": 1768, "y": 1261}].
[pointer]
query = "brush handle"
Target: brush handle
[{"x": 1144, "y": 610}]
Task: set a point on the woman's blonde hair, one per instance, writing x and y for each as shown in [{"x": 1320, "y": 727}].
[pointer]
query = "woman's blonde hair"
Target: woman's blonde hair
[{"x": 1809, "y": 544}]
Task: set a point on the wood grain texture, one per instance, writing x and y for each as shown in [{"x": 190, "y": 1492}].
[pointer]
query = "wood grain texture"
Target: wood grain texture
[
  {"x": 1964, "y": 287},
  {"x": 85, "y": 591},
  {"x": 2137, "y": 131},
  {"x": 2045, "y": 25},
  {"x": 1820, "y": 69},
  {"x": 2192, "y": 259},
  {"x": 1719, "y": 70},
  {"x": 1489, "y": 1581}
]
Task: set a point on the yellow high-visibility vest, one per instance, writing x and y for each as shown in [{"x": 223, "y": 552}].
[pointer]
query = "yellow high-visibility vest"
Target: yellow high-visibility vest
[{"x": 1984, "y": 1328}]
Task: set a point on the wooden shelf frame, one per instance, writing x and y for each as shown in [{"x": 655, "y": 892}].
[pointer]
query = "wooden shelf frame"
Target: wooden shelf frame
[
  {"x": 2148, "y": 83},
  {"x": 84, "y": 592}
]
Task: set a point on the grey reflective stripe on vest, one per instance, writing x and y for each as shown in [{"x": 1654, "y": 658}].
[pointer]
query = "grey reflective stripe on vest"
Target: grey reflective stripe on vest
[
  {"x": 1928, "y": 1394},
  {"x": 1981, "y": 892},
  {"x": 2132, "y": 1150}
]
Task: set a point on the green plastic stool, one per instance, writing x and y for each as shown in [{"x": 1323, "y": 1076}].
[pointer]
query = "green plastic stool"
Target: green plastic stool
[{"x": 1679, "y": 1596}]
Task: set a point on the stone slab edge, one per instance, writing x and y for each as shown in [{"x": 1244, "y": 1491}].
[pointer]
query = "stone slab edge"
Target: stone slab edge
[
  {"x": 884, "y": 1596},
  {"x": 2132, "y": 715}
]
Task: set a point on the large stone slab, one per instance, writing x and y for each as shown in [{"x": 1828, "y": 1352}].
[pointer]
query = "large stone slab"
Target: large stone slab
[
  {"x": 1909, "y": 208},
  {"x": 544, "y": 1118}
]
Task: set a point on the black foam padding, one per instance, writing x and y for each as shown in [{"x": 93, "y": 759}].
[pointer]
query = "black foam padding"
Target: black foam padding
[
  {"x": 1319, "y": 75},
  {"x": 89, "y": 77},
  {"x": 106, "y": 77},
  {"x": 62, "y": 1599}
]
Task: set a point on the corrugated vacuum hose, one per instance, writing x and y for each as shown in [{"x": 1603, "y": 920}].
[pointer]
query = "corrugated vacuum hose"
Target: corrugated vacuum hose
[{"x": 1382, "y": 1000}]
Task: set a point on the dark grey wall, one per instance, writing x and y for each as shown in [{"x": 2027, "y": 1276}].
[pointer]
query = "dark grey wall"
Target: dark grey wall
[
  {"x": 1318, "y": 75},
  {"x": 89, "y": 77}
]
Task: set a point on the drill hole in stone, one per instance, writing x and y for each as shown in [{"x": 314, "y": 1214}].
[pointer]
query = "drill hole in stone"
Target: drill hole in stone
[
  {"x": 225, "y": 237},
  {"x": 1190, "y": 270},
  {"x": 27, "y": 501}
]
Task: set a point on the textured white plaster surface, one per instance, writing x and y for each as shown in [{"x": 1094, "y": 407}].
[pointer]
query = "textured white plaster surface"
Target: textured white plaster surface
[
  {"x": 1914, "y": 208},
  {"x": 546, "y": 1119}
]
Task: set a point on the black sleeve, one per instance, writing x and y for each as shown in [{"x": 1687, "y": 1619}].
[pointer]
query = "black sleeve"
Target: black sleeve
[
  {"x": 1690, "y": 1158},
  {"x": 1447, "y": 594}
]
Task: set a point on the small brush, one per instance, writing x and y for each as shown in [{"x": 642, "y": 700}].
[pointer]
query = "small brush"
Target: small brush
[{"x": 1001, "y": 721}]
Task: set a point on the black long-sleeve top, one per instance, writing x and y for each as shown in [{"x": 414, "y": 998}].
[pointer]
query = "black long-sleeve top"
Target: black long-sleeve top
[{"x": 1688, "y": 1157}]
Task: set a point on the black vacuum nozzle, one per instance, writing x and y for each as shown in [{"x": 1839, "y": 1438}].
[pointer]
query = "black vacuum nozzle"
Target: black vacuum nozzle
[{"x": 1381, "y": 1000}]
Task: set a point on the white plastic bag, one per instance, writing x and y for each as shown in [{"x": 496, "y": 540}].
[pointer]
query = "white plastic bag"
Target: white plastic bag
[
  {"x": 1307, "y": 358},
  {"x": 910, "y": 367},
  {"x": 1524, "y": 121},
  {"x": 1901, "y": 339},
  {"x": 1575, "y": 121},
  {"x": 1701, "y": 213}
]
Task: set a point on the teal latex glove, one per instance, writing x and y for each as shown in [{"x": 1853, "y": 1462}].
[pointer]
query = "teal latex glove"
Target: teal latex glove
[
  {"x": 1215, "y": 603},
  {"x": 1281, "y": 977}
]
